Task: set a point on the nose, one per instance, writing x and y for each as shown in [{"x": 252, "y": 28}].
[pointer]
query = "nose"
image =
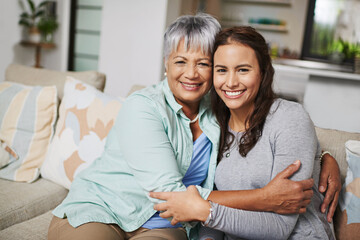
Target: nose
[
  {"x": 231, "y": 80},
  {"x": 191, "y": 71}
]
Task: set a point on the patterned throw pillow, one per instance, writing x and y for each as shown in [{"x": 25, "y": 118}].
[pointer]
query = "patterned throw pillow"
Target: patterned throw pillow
[
  {"x": 27, "y": 117},
  {"x": 86, "y": 116},
  {"x": 349, "y": 216}
]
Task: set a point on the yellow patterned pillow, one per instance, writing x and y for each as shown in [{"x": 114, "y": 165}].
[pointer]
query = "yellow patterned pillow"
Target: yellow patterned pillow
[
  {"x": 27, "y": 117},
  {"x": 86, "y": 116}
]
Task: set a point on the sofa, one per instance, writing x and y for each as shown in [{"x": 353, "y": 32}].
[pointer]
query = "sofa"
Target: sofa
[{"x": 25, "y": 208}]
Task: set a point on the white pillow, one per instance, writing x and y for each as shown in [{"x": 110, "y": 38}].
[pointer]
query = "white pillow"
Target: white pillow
[{"x": 86, "y": 116}]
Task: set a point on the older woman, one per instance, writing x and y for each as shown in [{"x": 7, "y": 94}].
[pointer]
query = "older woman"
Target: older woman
[
  {"x": 164, "y": 139},
  {"x": 260, "y": 136}
]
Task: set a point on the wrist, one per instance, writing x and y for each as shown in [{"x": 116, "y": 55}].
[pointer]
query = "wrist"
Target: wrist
[
  {"x": 265, "y": 199},
  {"x": 323, "y": 156},
  {"x": 205, "y": 211},
  {"x": 210, "y": 216}
]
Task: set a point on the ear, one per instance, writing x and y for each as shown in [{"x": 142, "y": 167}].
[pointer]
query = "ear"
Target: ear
[{"x": 165, "y": 64}]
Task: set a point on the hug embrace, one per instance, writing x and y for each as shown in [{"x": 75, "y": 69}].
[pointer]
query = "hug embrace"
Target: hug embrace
[{"x": 214, "y": 121}]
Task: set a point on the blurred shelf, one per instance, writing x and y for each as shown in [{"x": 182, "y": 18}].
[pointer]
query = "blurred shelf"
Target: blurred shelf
[
  {"x": 269, "y": 27},
  {"x": 40, "y": 44},
  {"x": 38, "y": 47},
  {"x": 279, "y": 2},
  {"x": 261, "y": 27}
]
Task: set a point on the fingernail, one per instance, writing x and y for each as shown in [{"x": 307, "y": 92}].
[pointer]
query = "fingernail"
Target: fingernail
[{"x": 322, "y": 188}]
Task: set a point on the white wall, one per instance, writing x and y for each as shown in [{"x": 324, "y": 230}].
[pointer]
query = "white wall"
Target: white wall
[
  {"x": 334, "y": 103},
  {"x": 131, "y": 42},
  {"x": 11, "y": 34}
]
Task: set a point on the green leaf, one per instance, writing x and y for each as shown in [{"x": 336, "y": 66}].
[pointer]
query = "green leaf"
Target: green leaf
[
  {"x": 25, "y": 15},
  {"x": 39, "y": 13},
  {"x": 24, "y": 22},
  {"x": 32, "y": 5}
]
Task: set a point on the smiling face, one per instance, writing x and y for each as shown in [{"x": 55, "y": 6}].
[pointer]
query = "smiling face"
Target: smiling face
[
  {"x": 189, "y": 75},
  {"x": 236, "y": 77}
]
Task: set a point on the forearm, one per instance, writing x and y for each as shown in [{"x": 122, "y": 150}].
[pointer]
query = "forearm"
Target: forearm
[
  {"x": 251, "y": 225},
  {"x": 251, "y": 200}
]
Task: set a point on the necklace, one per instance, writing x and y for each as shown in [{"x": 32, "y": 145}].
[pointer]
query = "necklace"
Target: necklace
[
  {"x": 235, "y": 144},
  {"x": 195, "y": 119}
]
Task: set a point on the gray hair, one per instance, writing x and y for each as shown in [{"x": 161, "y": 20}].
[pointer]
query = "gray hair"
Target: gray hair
[{"x": 198, "y": 31}]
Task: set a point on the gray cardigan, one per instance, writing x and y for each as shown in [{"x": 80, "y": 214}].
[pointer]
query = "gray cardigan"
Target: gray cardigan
[{"x": 288, "y": 135}]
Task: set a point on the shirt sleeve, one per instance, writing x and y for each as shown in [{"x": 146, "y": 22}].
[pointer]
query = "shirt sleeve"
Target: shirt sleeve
[
  {"x": 146, "y": 147},
  {"x": 294, "y": 138}
]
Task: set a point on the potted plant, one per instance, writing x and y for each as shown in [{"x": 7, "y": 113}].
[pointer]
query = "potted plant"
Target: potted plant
[
  {"x": 357, "y": 58},
  {"x": 29, "y": 19},
  {"x": 47, "y": 26}
]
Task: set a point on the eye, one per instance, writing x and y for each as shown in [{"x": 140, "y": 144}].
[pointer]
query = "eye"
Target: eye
[
  {"x": 204, "y": 64},
  {"x": 180, "y": 62},
  {"x": 221, "y": 70},
  {"x": 243, "y": 70}
]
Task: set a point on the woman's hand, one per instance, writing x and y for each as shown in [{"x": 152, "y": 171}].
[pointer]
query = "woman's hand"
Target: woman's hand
[
  {"x": 284, "y": 196},
  {"x": 330, "y": 183},
  {"x": 182, "y": 206}
]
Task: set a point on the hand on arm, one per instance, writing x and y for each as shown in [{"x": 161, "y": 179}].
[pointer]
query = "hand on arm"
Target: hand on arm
[
  {"x": 182, "y": 206},
  {"x": 281, "y": 195},
  {"x": 330, "y": 184}
]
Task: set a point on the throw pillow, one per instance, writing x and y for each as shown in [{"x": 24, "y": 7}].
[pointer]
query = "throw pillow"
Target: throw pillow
[
  {"x": 86, "y": 116},
  {"x": 7, "y": 155},
  {"x": 27, "y": 117},
  {"x": 349, "y": 202}
]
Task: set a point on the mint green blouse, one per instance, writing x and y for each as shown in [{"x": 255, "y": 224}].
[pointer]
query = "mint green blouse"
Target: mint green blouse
[{"x": 149, "y": 148}]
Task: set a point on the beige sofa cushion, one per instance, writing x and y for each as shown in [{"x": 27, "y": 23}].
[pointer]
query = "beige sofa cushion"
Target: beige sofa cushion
[
  {"x": 44, "y": 77},
  {"x": 22, "y": 201},
  {"x": 334, "y": 142},
  {"x": 33, "y": 229}
]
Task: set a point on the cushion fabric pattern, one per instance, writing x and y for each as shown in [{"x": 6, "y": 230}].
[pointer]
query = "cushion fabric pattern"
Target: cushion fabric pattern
[
  {"x": 86, "y": 116},
  {"x": 348, "y": 213},
  {"x": 27, "y": 118},
  {"x": 350, "y": 197}
]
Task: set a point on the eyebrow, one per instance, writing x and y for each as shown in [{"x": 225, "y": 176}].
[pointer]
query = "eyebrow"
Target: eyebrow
[
  {"x": 200, "y": 59},
  {"x": 238, "y": 66}
]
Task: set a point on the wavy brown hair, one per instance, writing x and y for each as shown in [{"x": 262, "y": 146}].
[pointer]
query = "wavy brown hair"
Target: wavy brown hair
[{"x": 247, "y": 36}]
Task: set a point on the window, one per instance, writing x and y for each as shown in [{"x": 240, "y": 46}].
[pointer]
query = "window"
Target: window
[
  {"x": 85, "y": 34},
  {"x": 332, "y": 31}
]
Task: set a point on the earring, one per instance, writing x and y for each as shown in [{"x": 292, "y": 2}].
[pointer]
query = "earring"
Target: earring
[{"x": 165, "y": 74}]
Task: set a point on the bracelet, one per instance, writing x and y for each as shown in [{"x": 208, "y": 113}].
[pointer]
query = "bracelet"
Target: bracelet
[
  {"x": 210, "y": 217},
  {"x": 323, "y": 154}
]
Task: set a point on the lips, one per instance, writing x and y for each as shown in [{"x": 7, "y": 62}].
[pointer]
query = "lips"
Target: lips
[
  {"x": 234, "y": 94},
  {"x": 191, "y": 86}
]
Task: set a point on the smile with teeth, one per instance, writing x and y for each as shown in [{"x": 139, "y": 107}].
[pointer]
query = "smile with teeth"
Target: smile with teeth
[
  {"x": 234, "y": 93},
  {"x": 193, "y": 85}
]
